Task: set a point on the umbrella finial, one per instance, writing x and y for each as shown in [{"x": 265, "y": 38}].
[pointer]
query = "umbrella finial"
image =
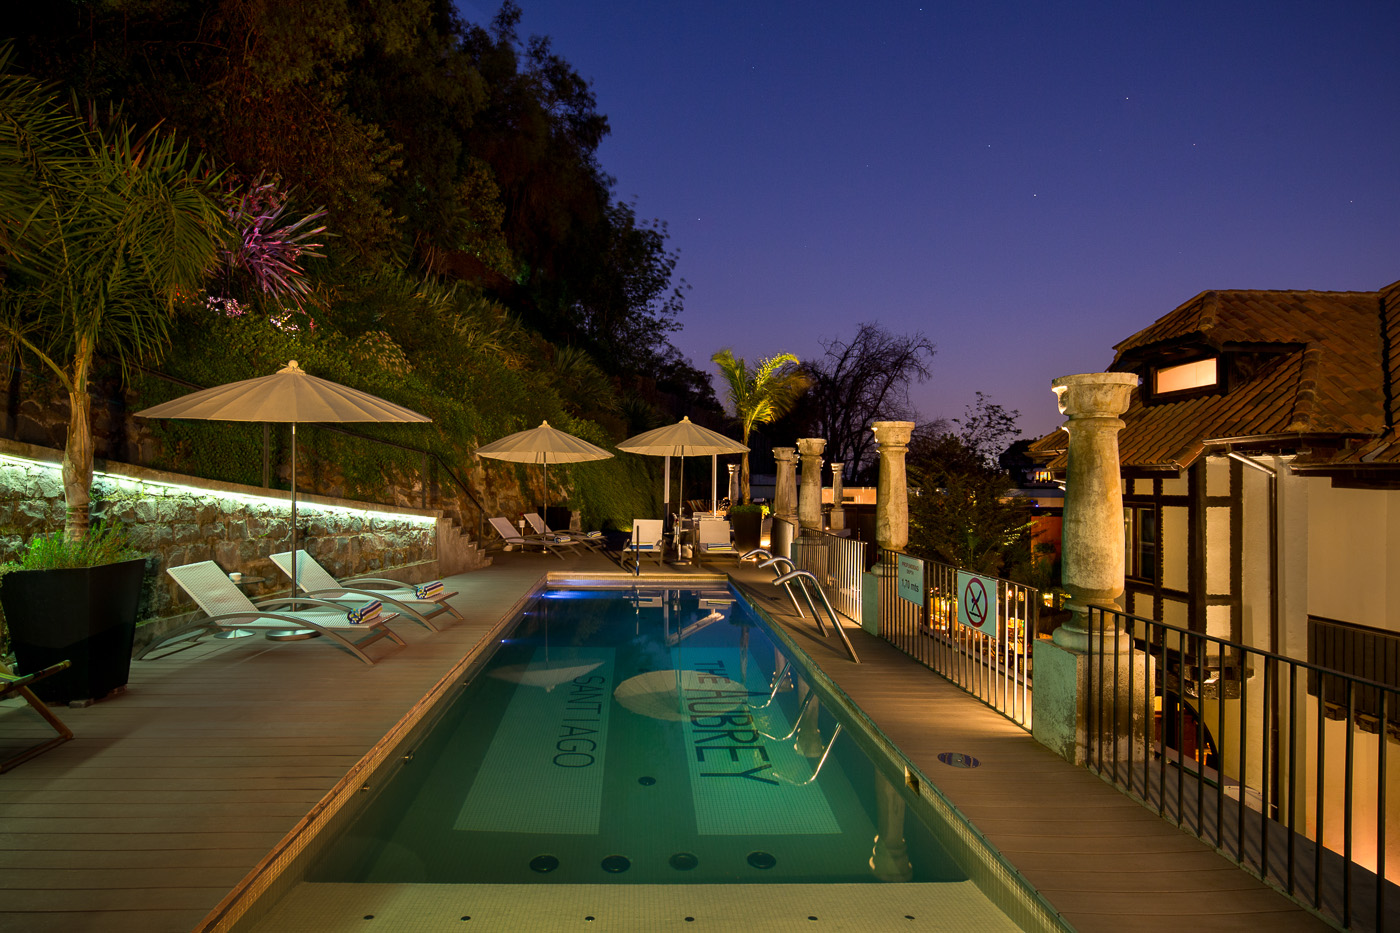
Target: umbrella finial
[{"x": 291, "y": 367}]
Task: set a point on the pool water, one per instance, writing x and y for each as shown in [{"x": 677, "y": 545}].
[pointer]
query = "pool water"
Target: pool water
[{"x": 638, "y": 736}]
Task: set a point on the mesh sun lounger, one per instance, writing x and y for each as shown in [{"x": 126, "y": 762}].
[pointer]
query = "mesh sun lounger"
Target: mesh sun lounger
[
  {"x": 592, "y": 540},
  {"x": 551, "y": 543},
  {"x": 229, "y": 609},
  {"x": 12, "y": 685},
  {"x": 315, "y": 580}
]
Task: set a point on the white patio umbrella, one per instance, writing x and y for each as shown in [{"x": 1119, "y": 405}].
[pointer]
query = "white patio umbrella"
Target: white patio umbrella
[
  {"x": 682, "y": 439},
  {"x": 543, "y": 445},
  {"x": 289, "y": 395}
]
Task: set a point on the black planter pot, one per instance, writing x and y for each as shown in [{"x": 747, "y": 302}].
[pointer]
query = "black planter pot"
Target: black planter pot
[
  {"x": 748, "y": 530},
  {"x": 86, "y": 615}
]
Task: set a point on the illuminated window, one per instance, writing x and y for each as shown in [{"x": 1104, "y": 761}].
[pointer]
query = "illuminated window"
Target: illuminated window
[
  {"x": 1198, "y": 375},
  {"x": 1140, "y": 542}
]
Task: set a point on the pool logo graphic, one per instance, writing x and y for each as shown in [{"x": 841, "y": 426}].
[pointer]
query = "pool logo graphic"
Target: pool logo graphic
[
  {"x": 549, "y": 750},
  {"x": 977, "y": 602}
]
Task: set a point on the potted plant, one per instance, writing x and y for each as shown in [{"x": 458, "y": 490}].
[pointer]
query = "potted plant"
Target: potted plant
[
  {"x": 71, "y": 600},
  {"x": 103, "y": 232},
  {"x": 747, "y": 522}
]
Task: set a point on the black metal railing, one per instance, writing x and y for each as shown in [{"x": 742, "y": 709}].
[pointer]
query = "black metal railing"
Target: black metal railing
[
  {"x": 1247, "y": 750},
  {"x": 994, "y": 666}
]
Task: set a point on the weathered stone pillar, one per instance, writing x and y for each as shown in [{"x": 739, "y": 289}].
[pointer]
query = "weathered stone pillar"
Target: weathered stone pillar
[
  {"x": 892, "y": 490},
  {"x": 809, "y": 504},
  {"x": 838, "y": 514},
  {"x": 785, "y": 491},
  {"x": 1092, "y": 548},
  {"x": 733, "y": 484},
  {"x": 1092, "y": 532}
]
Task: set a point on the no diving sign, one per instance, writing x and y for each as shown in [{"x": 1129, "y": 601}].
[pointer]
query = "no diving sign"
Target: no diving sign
[{"x": 977, "y": 602}]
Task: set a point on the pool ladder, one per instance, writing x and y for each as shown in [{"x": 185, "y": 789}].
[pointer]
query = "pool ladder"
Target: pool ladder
[
  {"x": 797, "y": 720},
  {"x": 785, "y": 574}
]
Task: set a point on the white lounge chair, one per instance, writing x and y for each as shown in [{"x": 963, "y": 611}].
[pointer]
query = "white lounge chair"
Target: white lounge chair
[
  {"x": 713, "y": 537},
  {"x": 646, "y": 541},
  {"x": 315, "y": 580},
  {"x": 229, "y": 609},
  {"x": 551, "y": 543},
  {"x": 593, "y": 540}
]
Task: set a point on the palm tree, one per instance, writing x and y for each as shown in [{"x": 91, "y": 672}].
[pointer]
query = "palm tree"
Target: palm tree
[
  {"x": 107, "y": 230},
  {"x": 760, "y": 395}
]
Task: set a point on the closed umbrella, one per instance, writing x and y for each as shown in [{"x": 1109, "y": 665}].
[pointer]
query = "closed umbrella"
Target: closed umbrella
[
  {"x": 682, "y": 439},
  {"x": 543, "y": 445},
  {"x": 289, "y": 395}
]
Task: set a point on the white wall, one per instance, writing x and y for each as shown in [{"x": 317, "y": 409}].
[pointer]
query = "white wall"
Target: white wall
[{"x": 1353, "y": 554}]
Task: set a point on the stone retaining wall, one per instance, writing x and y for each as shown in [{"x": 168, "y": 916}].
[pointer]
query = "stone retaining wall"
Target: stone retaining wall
[{"x": 179, "y": 520}]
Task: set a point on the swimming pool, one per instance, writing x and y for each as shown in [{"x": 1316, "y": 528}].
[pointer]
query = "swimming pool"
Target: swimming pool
[{"x": 638, "y": 737}]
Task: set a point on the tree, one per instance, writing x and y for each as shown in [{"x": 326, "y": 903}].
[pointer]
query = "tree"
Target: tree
[
  {"x": 759, "y": 395},
  {"x": 859, "y": 382},
  {"x": 987, "y": 429},
  {"x": 119, "y": 228},
  {"x": 964, "y": 513}
]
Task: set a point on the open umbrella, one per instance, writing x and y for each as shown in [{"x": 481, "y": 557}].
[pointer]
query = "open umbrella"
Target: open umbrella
[
  {"x": 682, "y": 439},
  {"x": 289, "y": 395},
  {"x": 543, "y": 445}
]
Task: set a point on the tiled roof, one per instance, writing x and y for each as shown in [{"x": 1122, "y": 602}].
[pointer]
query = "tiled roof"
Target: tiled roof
[{"x": 1309, "y": 370}]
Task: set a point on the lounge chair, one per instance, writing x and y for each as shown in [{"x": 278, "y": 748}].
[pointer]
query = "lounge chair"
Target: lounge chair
[
  {"x": 593, "y": 540},
  {"x": 12, "y": 685},
  {"x": 315, "y": 580},
  {"x": 646, "y": 541},
  {"x": 228, "y": 609},
  {"x": 713, "y": 537},
  {"x": 554, "y": 544}
]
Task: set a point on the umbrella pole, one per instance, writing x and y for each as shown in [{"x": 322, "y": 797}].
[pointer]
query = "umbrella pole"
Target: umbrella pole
[
  {"x": 294, "y": 516},
  {"x": 293, "y": 634},
  {"x": 714, "y": 483}
]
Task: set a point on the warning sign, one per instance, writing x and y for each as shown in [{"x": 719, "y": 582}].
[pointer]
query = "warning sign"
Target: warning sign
[
  {"x": 911, "y": 579},
  {"x": 977, "y": 602}
]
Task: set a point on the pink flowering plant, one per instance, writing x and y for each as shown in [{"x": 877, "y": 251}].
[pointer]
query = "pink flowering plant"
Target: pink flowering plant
[{"x": 268, "y": 249}]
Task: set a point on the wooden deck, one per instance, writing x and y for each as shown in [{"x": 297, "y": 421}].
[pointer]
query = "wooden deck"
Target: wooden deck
[{"x": 175, "y": 790}]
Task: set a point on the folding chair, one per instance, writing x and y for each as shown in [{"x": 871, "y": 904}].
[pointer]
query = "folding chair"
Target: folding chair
[{"x": 12, "y": 685}]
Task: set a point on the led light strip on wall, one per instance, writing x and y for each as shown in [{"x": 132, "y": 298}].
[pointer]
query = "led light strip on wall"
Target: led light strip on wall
[{"x": 146, "y": 485}]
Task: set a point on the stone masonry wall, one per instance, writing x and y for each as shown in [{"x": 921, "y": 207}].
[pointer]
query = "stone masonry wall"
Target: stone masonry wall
[{"x": 237, "y": 527}]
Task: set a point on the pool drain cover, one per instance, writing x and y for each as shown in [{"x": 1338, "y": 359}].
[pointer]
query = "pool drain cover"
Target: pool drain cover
[
  {"x": 958, "y": 760},
  {"x": 544, "y": 864},
  {"x": 762, "y": 860},
  {"x": 616, "y": 864},
  {"x": 684, "y": 861},
  {"x": 646, "y": 781}
]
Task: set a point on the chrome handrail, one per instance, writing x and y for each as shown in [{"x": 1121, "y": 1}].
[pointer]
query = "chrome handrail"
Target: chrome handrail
[
  {"x": 802, "y": 576},
  {"x": 816, "y": 771}
]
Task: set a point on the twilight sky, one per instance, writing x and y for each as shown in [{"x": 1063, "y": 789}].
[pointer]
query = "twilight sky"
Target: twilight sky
[{"x": 1027, "y": 183}]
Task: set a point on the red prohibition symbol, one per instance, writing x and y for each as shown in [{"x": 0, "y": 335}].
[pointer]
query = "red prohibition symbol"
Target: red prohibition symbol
[{"x": 975, "y": 599}]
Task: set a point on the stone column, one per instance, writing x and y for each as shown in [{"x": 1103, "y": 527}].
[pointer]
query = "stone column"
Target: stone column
[
  {"x": 785, "y": 492},
  {"x": 838, "y": 513},
  {"x": 1092, "y": 548},
  {"x": 1092, "y": 535},
  {"x": 810, "y": 502},
  {"x": 892, "y": 491},
  {"x": 733, "y": 484}
]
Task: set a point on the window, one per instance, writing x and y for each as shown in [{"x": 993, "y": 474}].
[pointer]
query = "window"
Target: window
[
  {"x": 1140, "y": 540},
  {"x": 1201, "y": 374}
]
